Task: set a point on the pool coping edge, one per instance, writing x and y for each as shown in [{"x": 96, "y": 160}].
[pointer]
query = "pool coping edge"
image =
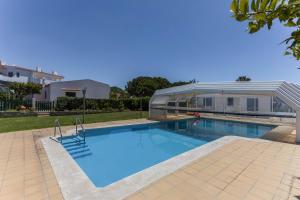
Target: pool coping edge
[{"x": 76, "y": 185}]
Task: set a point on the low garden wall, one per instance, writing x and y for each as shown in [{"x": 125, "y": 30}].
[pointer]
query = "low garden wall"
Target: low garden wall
[{"x": 17, "y": 114}]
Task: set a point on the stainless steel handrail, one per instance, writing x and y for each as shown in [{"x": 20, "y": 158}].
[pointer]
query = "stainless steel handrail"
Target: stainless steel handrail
[
  {"x": 79, "y": 123},
  {"x": 57, "y": 125}
]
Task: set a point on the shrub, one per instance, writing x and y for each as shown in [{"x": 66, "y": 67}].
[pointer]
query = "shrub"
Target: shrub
[
  {"x": 121, "y": 106},
  {"x": 71, "y": 103}
]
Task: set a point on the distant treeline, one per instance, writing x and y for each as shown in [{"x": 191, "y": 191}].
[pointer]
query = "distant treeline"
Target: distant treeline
[{"x": 144, "y": 86}]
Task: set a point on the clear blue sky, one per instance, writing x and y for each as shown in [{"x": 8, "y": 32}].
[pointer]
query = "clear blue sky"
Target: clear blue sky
[{"x": 115, "y": 40}]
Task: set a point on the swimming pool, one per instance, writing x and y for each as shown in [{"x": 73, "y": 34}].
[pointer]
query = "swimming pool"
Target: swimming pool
[{"x": 111, "y": 154}]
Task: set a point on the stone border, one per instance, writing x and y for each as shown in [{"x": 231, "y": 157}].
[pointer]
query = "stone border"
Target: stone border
[{"x": 76, "y": 185}]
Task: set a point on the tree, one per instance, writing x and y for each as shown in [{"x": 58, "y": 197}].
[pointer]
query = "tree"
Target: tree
[
  {"x": 32, "y": 88},
  {"x": 3, "y": 92},
  {"x": 145, "y": 86},
  {"x": 23, "y": 89},
  {"x": 243, "y": 78},
  {"x": 261, "y": 13},
  {"x": 118, "y": 93}
]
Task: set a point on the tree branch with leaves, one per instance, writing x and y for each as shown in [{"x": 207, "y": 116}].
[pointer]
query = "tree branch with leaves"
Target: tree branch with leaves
[
  {"x": 262, "y": 13},
  {"x": 21, "y": 90}
]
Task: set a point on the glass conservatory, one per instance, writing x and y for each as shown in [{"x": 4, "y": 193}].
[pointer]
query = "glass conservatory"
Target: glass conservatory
[{"x": 272, "y": 98}]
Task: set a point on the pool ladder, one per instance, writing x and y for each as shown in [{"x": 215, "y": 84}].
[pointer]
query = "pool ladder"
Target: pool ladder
[
  {"x": 77, "y": 132},
  {"x": 78, "y": 123},
  {"x": 57, "y": 126}
]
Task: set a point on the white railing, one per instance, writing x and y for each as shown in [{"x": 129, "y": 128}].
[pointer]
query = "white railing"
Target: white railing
[
  {"x": 24, "y": 79},
  {"x": 41, "y": 81},
  {"x": 21, "y": 79}
]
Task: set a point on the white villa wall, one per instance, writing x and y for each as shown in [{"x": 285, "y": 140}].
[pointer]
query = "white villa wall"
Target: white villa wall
[
  {"x": 240, "y": 103},
  {"x": 26, "y": 75},
  {"x": 95, "y": 90},
  {"x": 264, "y": 104},
  {"x": 236, "y": 104},
  {"x": 220, "y": 104},
  {"x": 23, "y": 72}
]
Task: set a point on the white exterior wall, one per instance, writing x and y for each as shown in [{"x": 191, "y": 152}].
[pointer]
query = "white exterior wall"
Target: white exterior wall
[
  {"x": 26, "y": 75},
  {"x": 264, "y": 104},
  {"x": 236, "y": 104},
  {"x": 239, "y": 103},
  {"x": 220, "y": 103},
  {"x": 95, "y": 90},
  {"x": 23, "y": 72}
]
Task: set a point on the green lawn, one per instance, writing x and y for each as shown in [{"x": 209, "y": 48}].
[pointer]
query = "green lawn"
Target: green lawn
[{"x": 27, "y": 123}]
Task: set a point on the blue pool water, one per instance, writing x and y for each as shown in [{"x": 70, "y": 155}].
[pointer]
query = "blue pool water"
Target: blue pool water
[{"x": 111, "y": 154}]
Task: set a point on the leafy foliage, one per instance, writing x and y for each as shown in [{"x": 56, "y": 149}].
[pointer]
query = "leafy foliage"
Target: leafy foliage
[
  {"x": 261, "y": 13},
  {"x": 71, "y": 103},
  {"x": 3, "y": 93},
  {"x": 23, "y": 89},
  {"x": 243, "y": 78},
  {"x": 117, "y": 93},
  {"x": 146, "y": 86}
]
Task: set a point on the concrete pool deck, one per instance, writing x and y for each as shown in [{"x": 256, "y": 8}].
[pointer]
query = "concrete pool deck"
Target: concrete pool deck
[{"x": 243, "y": 169}]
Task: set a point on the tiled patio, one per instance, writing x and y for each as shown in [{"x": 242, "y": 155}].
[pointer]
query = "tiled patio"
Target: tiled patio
[
  {"x": 243, "y": 169},
  {"x": 25, "y": 172},
  {"x": 240, "y": 170}
]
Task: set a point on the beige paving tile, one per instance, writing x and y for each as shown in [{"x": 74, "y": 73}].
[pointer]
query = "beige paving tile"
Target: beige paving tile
[
  {"x": 151, "y": 192},
  {"x": 136, "y": 196},
  {"x": 226, "y": 196},
  {"x": 242, "y": 169},
  {"x": 174, "y": 180},
  {"x": 176, "y": 194}
]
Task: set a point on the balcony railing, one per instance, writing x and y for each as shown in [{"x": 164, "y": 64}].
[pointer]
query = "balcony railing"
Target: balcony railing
[
  {"x": 41, "y": 81},
  {"x": 24, "y": 79},
  {"x": 20, "y": 79}
]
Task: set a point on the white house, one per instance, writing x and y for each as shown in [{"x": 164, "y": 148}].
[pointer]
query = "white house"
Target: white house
[
  {"x": 13, "y": 73},
  {"x": 74, "y": 88},
  {"x": 53, "y": 84}
]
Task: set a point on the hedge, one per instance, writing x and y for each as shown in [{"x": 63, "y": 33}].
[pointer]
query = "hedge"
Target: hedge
[{"x": 74, "y": 103}]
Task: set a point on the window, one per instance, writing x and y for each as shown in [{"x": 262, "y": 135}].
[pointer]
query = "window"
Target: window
[
  {"x": 70, "y": 94},
  {"x": 199, "y": 102},
  {"x": 171, "y": 104},
  {"x": 182, "y": 104},
  {"x": 10, "y": 74},
  {"x": 208, "y": 101},
  {"x": 171, "y": 111},
  {"x": 18, "y": 74},
  {"x": 277, "y": 105},
  {"x": 45, "y": 94},
  {"x": 192, "y": 102},
  {"x": 230, "y": 101},
  {"x": 252, "y": 104}
]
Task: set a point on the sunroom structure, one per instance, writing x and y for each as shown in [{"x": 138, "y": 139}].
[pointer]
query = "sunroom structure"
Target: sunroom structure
[{"x": 266, "y": 98}]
